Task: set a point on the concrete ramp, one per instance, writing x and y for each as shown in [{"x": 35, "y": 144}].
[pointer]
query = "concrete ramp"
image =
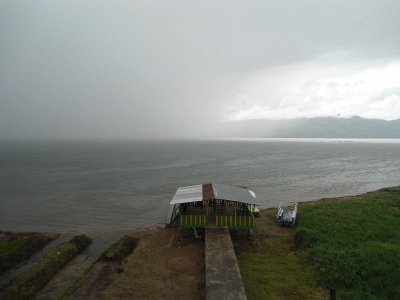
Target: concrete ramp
[{"x": 223, "y": 280}]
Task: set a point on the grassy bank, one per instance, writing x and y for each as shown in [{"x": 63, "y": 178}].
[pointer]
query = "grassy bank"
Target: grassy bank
[
  {"x": 120, "y": 249},
  {"x": 272, "y": 269},
  {"x": 18, "y": 247},
  {"x": 26, "y": 285},
  {"x": 354, "y": 243},
  {"x": 351, "y": 244}
]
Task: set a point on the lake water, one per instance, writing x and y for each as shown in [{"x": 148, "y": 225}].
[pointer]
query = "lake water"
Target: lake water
[{"x": 68, "y": 186}]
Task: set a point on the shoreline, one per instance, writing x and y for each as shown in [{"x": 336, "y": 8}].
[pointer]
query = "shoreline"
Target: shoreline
[
  {"x": 157, "y": 262},
  {"x": 348, "y": 197},
  {"x": 160, "y": 224}
]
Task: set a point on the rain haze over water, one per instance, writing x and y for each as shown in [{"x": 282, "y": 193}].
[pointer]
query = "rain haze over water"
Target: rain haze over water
[
  {"x": 156, "y": 69},
  {"x": 107, "y": 107}
]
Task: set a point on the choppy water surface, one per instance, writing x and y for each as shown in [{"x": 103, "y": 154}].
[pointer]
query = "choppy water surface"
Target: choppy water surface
[{"x": 67, "y": 186}]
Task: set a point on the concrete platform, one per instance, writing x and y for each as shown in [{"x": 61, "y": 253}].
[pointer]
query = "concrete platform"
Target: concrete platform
[{"x": 223, "y": 280}]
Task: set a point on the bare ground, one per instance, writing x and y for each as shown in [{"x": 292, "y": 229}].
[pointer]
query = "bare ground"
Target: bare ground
[
  {"x": 157, "y": 271},
  {"x": 161, "y": 266}
]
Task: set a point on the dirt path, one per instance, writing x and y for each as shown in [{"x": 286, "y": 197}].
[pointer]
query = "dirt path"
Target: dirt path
[
  {"x": 156, "y": 271},
  {"x": 99, "y": 279}
]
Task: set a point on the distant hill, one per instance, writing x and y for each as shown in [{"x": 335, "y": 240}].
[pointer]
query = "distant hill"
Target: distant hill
[{"x": 324, "y": 127}]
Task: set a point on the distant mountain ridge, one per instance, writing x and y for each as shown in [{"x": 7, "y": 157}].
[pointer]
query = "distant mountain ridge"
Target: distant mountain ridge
[{"x": 321, "y": 127}]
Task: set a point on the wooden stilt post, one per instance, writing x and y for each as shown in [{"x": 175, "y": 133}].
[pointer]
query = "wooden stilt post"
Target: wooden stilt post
[
  {"x": 234, "y": 207},
  {"x": 206, "y": 209}
]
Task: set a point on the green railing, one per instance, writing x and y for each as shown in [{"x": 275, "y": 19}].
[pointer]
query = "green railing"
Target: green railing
[
  {"x": 234, "y": 221},
  {"x": 192, "y": 220},
  {"x": 187, "y": 221}
]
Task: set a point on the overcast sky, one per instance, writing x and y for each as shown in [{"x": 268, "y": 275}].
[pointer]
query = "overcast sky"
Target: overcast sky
[{"x": 121, "y": 69}]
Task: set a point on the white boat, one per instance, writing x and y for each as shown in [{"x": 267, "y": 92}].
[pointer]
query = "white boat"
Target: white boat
[{"x": 287, "y": 214}]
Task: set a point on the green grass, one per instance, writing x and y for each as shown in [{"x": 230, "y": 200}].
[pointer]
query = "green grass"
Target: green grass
[
  {"x": 354, "y": 244},
  {"x": 120, "y": 249},
  {"x": 274, "y": 270},
  {"x": 18, "y": 247},
  {"x": 28, "y": 283},
  {"x": 10, "y": 246}
]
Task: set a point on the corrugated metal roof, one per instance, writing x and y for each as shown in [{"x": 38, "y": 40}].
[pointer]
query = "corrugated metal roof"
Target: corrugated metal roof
[
  {"x": 194, "y": 193},
  {"x": 234, "y": 193}
]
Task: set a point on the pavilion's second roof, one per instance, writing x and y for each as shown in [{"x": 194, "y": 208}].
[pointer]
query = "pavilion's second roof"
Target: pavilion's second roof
[{"x": 202, "y": 192}]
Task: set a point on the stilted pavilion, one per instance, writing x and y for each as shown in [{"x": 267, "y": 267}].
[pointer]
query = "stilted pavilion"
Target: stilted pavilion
[{"x": 213, "y": 205}]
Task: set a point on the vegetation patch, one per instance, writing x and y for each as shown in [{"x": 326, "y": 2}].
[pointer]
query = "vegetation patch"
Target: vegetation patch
[
  {"x": 28, "y": 283},
  {"x": 271, "y": 269},
  {"x": 120, "y": 249},
  {"x": 355, "y": 244},
  {"x": 18, "y": 247},
  {"x": 98, "y": 276}
]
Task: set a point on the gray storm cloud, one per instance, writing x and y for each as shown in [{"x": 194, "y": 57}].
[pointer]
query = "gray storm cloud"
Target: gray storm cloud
[{"x": 122, "y": 69}]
